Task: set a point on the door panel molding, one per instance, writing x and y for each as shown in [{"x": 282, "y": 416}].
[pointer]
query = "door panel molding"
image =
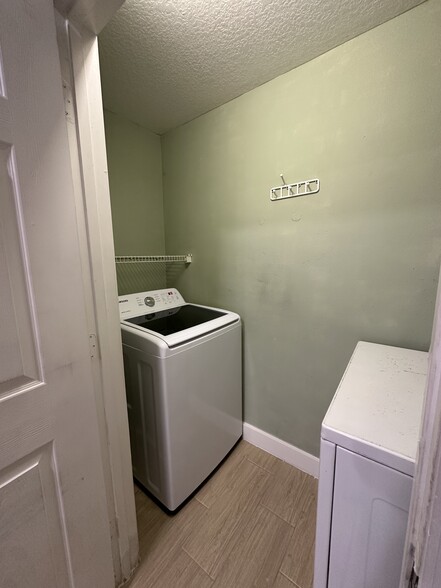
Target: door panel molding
[
  {"x": 21, "y": 361},
  {"x": 29, "y": 491}
]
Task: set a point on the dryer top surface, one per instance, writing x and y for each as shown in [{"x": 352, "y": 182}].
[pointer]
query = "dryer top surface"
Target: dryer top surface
[{"x": 377, "y": 408}]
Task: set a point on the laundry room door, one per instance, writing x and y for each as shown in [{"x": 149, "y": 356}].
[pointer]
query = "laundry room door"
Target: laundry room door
[{"x": 54, "y": 530}]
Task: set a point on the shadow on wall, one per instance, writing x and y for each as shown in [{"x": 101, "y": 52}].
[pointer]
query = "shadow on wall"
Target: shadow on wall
[{"x": 141, "y": 277}]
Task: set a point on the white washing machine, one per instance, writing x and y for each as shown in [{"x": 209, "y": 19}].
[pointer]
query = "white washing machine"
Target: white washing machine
[{"x": 183, "y": 372}]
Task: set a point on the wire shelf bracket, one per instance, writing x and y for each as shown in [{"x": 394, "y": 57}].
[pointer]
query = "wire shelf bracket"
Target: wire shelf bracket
[
  {"x": 295, "y": 190},
  {"x": 187, "y": 258}
]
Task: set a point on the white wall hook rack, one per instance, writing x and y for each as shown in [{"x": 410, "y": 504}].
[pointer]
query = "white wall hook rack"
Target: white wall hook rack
[
  {"x": 187, "y": 258},
  {"x": 294, "y": 190}
]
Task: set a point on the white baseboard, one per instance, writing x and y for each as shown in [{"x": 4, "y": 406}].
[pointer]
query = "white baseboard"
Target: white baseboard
[{"x": 293, "y": 455}]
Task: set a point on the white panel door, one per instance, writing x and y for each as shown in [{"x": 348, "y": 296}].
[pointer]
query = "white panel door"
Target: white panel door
[
  {"x": 369, "y": 519},
  {"x": 54, "y": 530}
]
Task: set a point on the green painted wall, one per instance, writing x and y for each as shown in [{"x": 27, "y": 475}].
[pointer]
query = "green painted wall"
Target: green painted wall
[
  {"x": 311, "y": 276},
  {"x": 135, "y": 178}
]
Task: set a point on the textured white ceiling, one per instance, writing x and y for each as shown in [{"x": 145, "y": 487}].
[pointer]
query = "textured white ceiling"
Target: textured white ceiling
[{"x": 165, "y": 62}]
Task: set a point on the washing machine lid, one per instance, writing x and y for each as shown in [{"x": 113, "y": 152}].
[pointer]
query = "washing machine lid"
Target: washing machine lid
[{"x": 164, "y": 314}]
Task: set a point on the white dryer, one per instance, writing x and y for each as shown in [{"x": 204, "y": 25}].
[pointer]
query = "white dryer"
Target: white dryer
[
  {"x": 368, "y": 447},
  {"x": 183, "y": 372}
]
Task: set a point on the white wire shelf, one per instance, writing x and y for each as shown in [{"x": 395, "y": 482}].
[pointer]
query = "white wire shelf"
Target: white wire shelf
[{"x": 187, "y": 258}]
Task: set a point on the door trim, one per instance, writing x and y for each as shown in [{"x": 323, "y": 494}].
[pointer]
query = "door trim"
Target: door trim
[
  {"x": 89, "y": 161},
  {"x": 423, "y": 541}
]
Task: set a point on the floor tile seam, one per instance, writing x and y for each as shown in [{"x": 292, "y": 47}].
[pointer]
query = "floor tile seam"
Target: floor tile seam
[
  {"x": 231, "y": 539},
  {"x": 218, "y": 569},
  {"x": 228, "y": 485},
  {"x": 259, "y": 466},
  {"x": 305, "y": 518},
  {"x": 201, "y": 503},
  {"x": 198, "y": 564},
  {"x": 158, "y": 570},
  {"x": 276, "y": 515},
  {"x": 284, "y": 551},
  {"x": 293, "y": 525},
  {"x": 247, "y": 509},
  {"x": 232, "y": 490},
  {"x": 289, "y": 579}
]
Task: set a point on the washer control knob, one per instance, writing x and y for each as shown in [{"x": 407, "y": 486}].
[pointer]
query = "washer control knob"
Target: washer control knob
[{"x": 149, "y": 301}]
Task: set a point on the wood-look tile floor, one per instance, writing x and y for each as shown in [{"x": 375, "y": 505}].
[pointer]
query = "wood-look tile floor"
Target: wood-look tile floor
[{"x": 251, "y": 525}]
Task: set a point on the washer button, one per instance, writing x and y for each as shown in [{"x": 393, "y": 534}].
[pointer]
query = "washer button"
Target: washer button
[{"x": 149, "y": 301}]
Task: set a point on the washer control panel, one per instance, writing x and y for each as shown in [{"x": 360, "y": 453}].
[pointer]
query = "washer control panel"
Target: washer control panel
[{"x": 145, "y": 302}]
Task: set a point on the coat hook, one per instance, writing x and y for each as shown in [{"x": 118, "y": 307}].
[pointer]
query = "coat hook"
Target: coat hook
[
  {"x": 303, "y": 188},
  {"x": 284, "y": 183}
]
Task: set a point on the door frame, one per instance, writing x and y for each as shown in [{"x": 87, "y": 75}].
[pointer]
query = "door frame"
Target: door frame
[
  {"x": 422, "y": 550},
  {"x": 83, "y": 22}
]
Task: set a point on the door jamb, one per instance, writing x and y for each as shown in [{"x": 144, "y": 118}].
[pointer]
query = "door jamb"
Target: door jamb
[
  {"x": 88, "y": 153},
  {"x": 422, "y": 549}
]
